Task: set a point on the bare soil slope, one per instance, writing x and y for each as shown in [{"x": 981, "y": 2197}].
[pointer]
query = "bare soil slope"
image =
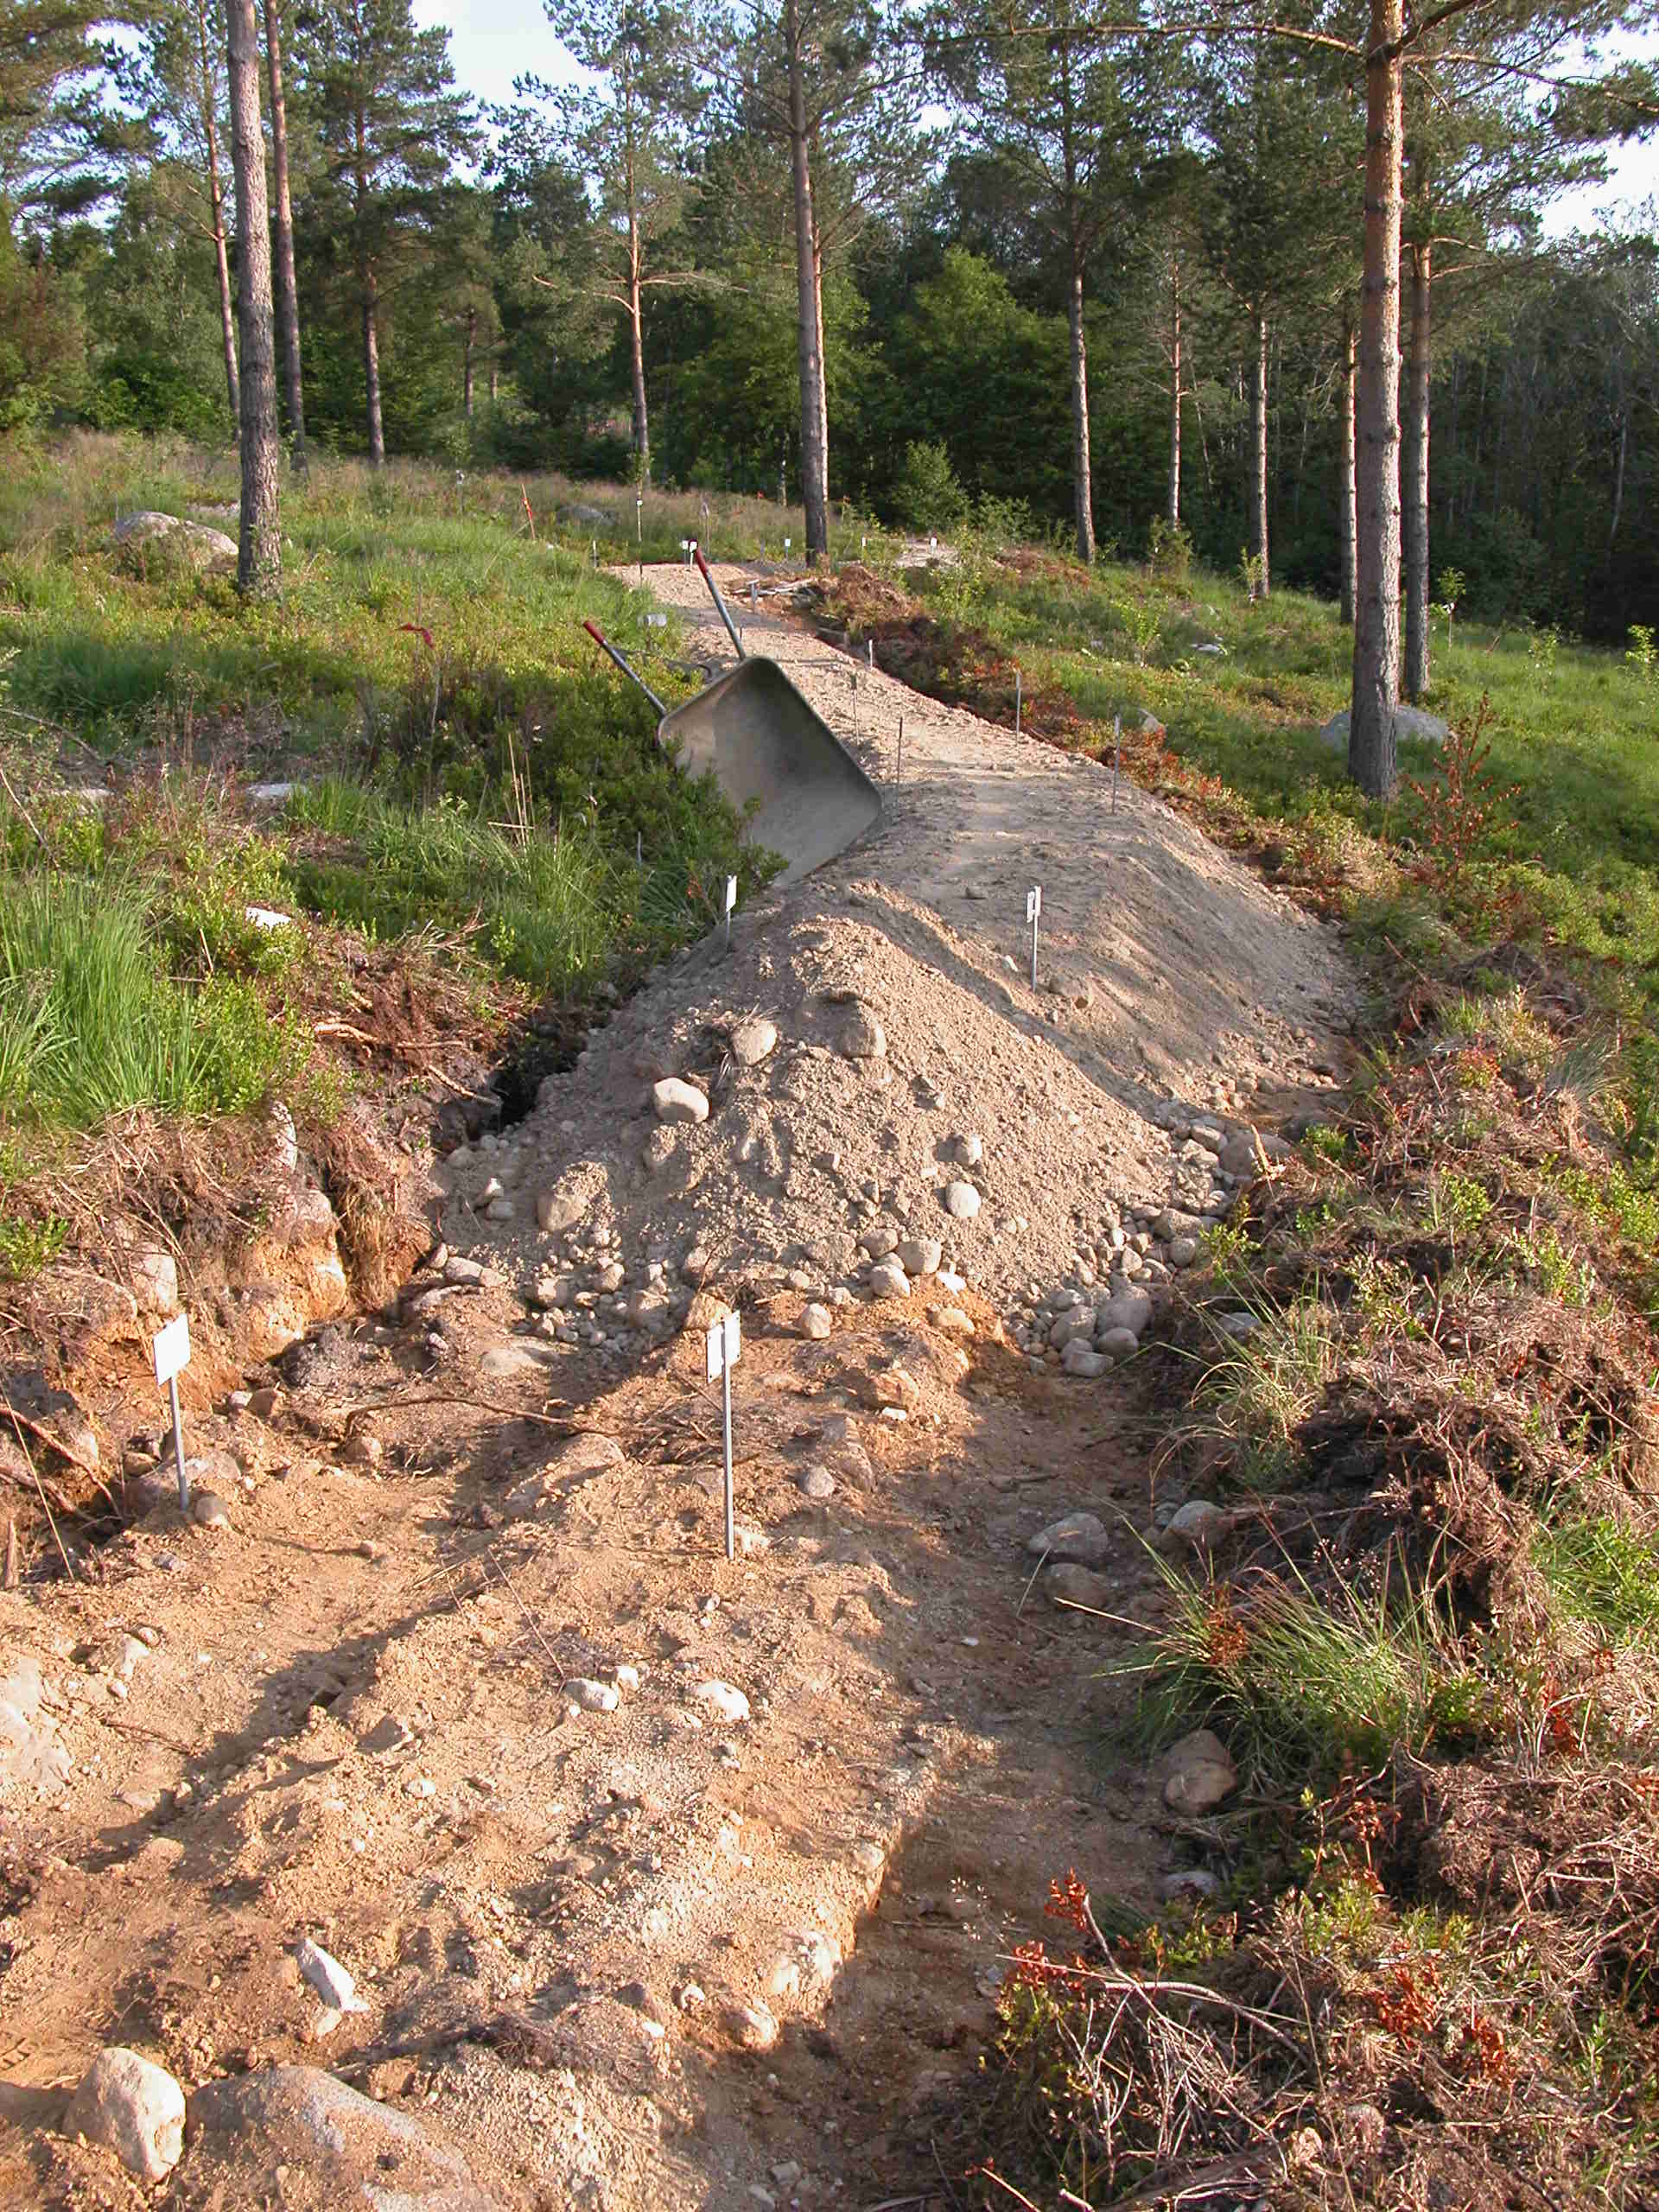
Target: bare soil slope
[{"x": 667, "y": 1881}]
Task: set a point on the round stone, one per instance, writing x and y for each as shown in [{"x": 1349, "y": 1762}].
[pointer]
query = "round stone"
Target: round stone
[
  {"x": 889, "y": 1280},
  {"x": 817, "y": 1483},
  {"x": 132, "y": 2107},
  {"x": 961, "y": 1200},
  {"x": 675, "y": 1100},
  {"x": 814, "y": 1322},
  {"x": 752, "y": 1040},
  {"x": 862, "y": 1037},
  {"x": 1118, "y": 1343},
  {"x": 921, "y": 1255}
]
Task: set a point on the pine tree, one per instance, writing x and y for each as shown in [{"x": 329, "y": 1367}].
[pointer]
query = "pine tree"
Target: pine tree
[
  {"x": 1054, "y": 97},
  {"x": 281, "y": 239},
  {"x": 380, "y": 98},
  {"x": 628, "y": 129},
  {"x": 260, "y": 553},
  {"x": 174, "y": 80}
]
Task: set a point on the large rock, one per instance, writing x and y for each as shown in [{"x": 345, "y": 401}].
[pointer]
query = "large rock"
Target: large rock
[
  {"x": 1412, "y": 725},
  {"x": 339, "y": 2148},
  {"x": 1081, "y": 1537},
  {"x": 195, "y": 542},
  {"x": 31, "y": 1754},
  {"x": 1124, "y": 1309},
  {"x": 861, "y": 1036},
  {"x": 752, "y": 1040},
  {"x": 675, "y": 1100},
  {"x": 155, "y": 1283},
  {"x": 133, "y": 2108},
  {"x": 1198, "y": 1773}
]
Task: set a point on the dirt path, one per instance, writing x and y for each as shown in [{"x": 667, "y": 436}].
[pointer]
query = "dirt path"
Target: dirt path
[{"x": 665, "y": 1881}]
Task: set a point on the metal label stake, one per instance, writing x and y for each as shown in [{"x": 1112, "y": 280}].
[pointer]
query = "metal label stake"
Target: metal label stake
[
  {"x": 1117, "y": 754},
  {"x": 731, "y": 901},
  {"x": 899, "y": 772},
  {"x": 725, "y": 1349},
  {"x": 171, "y": 1351},
  {"x": 1018, "y": 700},
  {"x": 1034, "y": 909}
]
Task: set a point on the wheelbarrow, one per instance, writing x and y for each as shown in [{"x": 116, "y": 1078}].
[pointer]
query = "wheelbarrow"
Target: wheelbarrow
[{"x": 767, "y": 749}]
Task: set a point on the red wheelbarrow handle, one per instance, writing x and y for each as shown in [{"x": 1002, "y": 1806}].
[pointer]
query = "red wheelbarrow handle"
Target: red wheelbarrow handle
[
  {"x": 719, "y": 604},
  {"x": 624, "y": 663}
]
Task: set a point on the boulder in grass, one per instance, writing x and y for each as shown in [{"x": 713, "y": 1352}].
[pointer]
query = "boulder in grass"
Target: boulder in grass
[{"x": 196, "y": 544}]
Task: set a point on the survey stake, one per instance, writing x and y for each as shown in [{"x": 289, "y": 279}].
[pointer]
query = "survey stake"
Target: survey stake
[
  {"x": 725, "y": 1349},
  {"x": 171, "y": 1351}
]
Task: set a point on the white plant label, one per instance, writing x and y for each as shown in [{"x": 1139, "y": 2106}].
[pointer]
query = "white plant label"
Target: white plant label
[
  {"x": 725, "y": 1345},
  {"x": 172, "y": 1350},
  {"x": 731, "y": 893},
  {"x": 1033, "y": 902}
]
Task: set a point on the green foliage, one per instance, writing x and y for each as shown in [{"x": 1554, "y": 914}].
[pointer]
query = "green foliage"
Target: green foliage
[
  {"x": 1300, "y": 1687},
  {"x": 27, "y": 1247},
  {"x": 1641, "y": 653},
  {"x": 1169, "y": 550},
  {"x": 927, "y": 495},
  {"x": 1601, "y": 1572},
  {"x": 92, "y": 1023}
]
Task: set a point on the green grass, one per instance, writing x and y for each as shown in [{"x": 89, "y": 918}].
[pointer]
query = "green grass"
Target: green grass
[
  {"x": 1302, "y": 1687},
  {"x": 1603, "y": 1575},
  {"x": 477, "y": 773},
  {"x": 92, "y": 1022}
]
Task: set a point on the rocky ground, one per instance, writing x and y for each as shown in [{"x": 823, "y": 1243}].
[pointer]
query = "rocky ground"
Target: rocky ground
[{"x": 442, "y": 1818}]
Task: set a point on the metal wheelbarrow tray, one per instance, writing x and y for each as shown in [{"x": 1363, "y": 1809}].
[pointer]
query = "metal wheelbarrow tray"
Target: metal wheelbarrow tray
[{"x": 768, "y": 749}]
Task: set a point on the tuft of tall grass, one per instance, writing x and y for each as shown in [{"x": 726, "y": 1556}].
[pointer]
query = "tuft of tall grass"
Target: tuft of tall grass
[
  {"x": 1299, "y": 1685},
  {"x": 91, "y": 1023},
  {"x": 1603, "y": 1573}
]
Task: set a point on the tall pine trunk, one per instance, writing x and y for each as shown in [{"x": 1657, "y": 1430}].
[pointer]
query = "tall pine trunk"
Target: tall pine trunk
[
  {"x": 260, "y": 553},
  {"x": 1373, "y": 761},
  {"x": 470, "y": 343},
  {"x": 282, "y": 243},
  {"x": 1346, "y": 519},
  {"x": 1259, "y": 458},
  {"x": 371, "y": 288},
  {"x": 216, "y": 201},
  {"x": 1173, "y": 508},
  {"x": 1415, "y": 680},
  {"x": 1083, "y": 482},
  {"x": 814, "y": 448},
  {"x": 637, "y": 358}
]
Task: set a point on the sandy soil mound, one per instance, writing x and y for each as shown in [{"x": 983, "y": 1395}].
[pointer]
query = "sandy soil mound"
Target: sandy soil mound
[{"x": 868, "y": 1065}]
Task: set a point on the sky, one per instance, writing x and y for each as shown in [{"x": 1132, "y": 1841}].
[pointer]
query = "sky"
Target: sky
[{"x": 492, "y": 42}]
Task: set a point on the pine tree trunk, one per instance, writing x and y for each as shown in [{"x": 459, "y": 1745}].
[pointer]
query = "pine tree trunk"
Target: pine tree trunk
[
  {"x": 1345, "y": 517},
  {"x": 282, "y": 243},
  {"x": 259, "y": 553},
  {"x": 370, "y": 288},
  {"x": 216, "y": 200},
  {"x": 637, "y": 364},
  {"x": 815, "y": 451},
  {"x": 1174, "y": 508},
  {"x": 1259, "y": 458},
  {"x": 1083, "y": 483},
  {"x": 1619, "y": 470},
  {"x": 823, "y": 357},
  {"x": 1372, "y": 759},
  {"x": 493, "y": 373},
  {"x": 1416, "y": 481},
  {"x": 469, "y": 342}
]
